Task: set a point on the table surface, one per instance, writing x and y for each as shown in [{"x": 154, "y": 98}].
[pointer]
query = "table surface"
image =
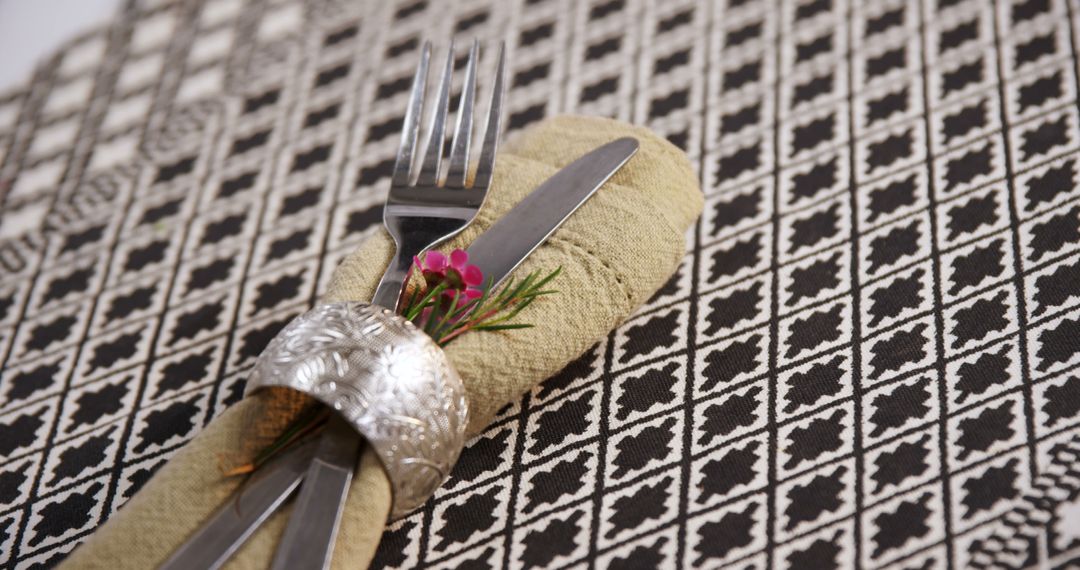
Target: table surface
[{"x": 869, "y": 354}]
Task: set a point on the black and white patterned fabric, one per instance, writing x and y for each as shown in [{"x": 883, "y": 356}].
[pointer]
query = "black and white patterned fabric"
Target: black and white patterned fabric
[{"x": 867, "y": 359}]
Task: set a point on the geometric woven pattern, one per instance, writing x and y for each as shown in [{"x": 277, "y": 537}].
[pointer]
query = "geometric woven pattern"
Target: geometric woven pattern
[{"x": 868, "y": 357}]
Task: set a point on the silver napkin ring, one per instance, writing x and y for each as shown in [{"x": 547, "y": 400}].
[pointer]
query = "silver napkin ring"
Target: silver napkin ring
[{"x": 391, "y": 382}]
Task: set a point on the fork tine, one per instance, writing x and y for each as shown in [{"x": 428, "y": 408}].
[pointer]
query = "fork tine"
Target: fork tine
[
  {"x": 429, "y": 170},
  {"x": 459, "y": 149},
  {"x": 410, "y": 127},
  {"x": 491, "y": 136}
]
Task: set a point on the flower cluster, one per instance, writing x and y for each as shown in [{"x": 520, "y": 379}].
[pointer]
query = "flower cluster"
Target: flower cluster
[
  {"x": 455, "y": 297},
  {"x": 455, "y": 272}
]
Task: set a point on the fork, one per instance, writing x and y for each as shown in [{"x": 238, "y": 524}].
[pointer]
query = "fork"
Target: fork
[{"x": 418, "y": 215}]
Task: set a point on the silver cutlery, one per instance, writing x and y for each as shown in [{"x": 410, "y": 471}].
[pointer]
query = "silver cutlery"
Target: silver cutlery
[
  {"x": 309, "y": 538},
  {"x": 497, "y": 251}
]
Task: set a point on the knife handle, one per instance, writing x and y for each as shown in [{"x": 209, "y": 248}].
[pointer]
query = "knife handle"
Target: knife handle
[
  {"x": 308, "y": 542},
  {"x": 227, "y": 529}
]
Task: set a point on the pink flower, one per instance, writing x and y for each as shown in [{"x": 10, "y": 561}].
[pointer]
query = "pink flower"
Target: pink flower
[
  {"x": 433, "y": 261},
  {"x": 459, "y": 275}
]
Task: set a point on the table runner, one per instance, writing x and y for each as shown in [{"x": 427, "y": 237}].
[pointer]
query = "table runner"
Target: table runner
[{"x": 868, "y": 357}]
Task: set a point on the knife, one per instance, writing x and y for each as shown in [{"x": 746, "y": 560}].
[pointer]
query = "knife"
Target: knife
[{"x": 497, "y": 252}]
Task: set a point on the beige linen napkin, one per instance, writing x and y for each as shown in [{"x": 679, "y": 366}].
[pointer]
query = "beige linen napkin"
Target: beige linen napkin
[{"x": 615, "y": 252}]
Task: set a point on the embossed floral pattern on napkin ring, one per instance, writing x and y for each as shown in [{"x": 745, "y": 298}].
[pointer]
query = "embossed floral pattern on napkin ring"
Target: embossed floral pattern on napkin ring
[{"x": 387, "y": 378}]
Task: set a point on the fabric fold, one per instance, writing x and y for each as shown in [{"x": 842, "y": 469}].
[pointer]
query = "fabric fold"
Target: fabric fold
[{"x": 615, "y": 253}]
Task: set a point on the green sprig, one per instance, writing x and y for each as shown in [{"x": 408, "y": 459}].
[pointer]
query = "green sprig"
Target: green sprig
[{"x": 445, "y": 319}]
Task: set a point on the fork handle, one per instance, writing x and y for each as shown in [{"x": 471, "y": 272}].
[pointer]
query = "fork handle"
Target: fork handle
[{"x": 388, "y": 293}]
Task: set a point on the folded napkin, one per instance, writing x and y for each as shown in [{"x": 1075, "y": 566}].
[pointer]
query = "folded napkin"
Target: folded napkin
[{"x": 615, "y": 252}]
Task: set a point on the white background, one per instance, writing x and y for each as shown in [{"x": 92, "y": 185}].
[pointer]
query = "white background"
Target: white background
[{"x": 32, "y": 29}]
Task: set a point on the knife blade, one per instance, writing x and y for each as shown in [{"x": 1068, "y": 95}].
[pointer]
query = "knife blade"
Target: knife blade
[{"x": 498, "y": 251}]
